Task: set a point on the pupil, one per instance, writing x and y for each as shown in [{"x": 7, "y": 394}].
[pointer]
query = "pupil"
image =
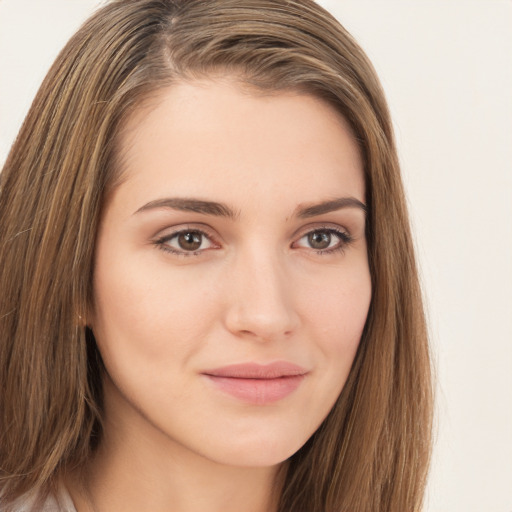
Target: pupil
[
  {"x": 189, "y": 241},
  {"x": 319, "y": 239}
]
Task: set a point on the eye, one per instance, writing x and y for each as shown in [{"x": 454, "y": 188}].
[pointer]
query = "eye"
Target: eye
[
  {"x": 324, "y": 240},
  {"x": 187, "y": 242}
]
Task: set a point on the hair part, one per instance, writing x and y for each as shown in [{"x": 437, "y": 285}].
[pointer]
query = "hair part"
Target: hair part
[{"x": 372, "y": 451}]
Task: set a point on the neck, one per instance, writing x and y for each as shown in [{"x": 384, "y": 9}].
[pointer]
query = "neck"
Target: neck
[
  {"x": 132, "y": 484},
  {"x": 142, "y": 469}
]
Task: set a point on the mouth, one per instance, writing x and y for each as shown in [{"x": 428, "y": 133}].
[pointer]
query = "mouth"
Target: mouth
[{"x": 256, "y": 383}]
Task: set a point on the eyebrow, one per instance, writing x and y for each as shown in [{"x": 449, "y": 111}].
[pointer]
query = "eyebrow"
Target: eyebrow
[
  {"x": 187, "y": 204},
  {"x": 331, "y": 205}
]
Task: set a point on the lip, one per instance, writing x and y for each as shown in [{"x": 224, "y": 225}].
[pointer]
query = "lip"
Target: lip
[{"x": 257, "y": 383}]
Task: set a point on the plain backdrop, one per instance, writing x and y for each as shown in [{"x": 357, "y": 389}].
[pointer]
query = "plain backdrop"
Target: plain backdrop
[{"x": 446, "y": 68}]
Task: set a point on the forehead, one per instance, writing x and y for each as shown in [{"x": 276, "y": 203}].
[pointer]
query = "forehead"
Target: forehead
[{"x": 215, "y": 139}]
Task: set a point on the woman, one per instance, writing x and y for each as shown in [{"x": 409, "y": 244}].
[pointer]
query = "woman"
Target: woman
[{"x": 209, "y": 294}]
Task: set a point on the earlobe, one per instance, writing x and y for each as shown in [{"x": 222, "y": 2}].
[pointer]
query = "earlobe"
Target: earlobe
[
  {"x": 84, "y": 320},
  {"x": 81, "y": 321}
]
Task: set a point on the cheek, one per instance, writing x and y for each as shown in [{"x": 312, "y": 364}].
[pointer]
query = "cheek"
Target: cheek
[
  {"x": 337, "y": 314},
  {"x": 139, "y": 308},
  {"x": 338, "y": 310}
]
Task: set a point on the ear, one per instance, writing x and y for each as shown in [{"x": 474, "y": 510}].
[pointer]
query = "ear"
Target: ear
[
  {"x": 85, "y": 318},
  {"x": 81, "y": 321}
]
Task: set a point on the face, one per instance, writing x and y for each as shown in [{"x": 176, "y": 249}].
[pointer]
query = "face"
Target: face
[{"x": 231, "y": 280}]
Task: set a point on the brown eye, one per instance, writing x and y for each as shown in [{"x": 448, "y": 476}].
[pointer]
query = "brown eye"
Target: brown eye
[
  {"x": 319, "y": 240},
  {"x": 324, "y": 240},
  {"x": 190, "y": 240},
  {"x": 186, "y": 243}
]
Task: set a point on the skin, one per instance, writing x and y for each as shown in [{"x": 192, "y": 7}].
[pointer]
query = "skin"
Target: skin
[{"x": 255, "y": 290}]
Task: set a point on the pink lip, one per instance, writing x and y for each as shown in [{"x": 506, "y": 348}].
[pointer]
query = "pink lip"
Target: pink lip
[{"x": 257, "y": 383}]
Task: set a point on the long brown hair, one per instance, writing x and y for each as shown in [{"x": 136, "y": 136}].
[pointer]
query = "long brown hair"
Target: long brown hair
[{"x": 371, "y": 453}]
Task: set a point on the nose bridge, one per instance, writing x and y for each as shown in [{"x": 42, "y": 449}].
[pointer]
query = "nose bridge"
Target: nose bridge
[{"x": 261, "y": 300}]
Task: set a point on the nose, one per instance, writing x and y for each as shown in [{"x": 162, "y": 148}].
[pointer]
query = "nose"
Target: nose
[{"x": 261, "y": 299}]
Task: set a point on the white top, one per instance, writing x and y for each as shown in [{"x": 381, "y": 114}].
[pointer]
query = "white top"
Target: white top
[{"x": 60, "y": 502}]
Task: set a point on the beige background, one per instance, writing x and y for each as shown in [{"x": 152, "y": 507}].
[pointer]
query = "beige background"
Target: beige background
[{"x": 445, "y": 65}]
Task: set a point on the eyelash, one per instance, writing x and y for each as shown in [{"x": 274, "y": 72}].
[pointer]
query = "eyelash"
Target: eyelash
[
  {"x": 162, "y": 242},
  {"x": 344, "y": 241}
]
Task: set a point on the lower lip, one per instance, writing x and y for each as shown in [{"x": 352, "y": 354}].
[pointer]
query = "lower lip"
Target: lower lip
[{"x": 257, "y": 391}]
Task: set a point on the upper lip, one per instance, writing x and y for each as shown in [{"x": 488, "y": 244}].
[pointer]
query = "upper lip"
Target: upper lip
[{"x": 253, "y": 370}]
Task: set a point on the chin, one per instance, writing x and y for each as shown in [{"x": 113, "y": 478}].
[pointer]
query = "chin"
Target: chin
[{"x": 252, "y": 453}]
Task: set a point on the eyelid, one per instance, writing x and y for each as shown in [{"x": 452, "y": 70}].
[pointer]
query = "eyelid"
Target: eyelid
[
  {"x": 322, "y": 226},
  {"x": 169, "y": 231},
  {"x": 161, "y": 239},
  {"x": 342, "y": 233}
]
